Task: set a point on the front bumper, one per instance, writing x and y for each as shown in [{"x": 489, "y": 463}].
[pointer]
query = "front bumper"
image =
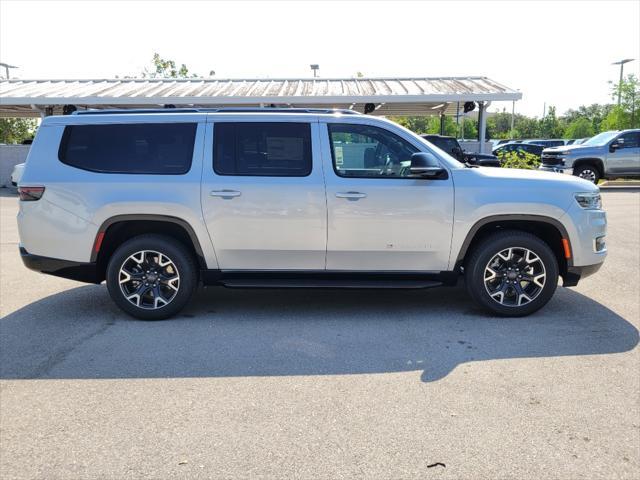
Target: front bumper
[
  {"x": 81, "y": 272},
  {"x": 556, "y": 168},
  {"x": 575, "y": 274}
]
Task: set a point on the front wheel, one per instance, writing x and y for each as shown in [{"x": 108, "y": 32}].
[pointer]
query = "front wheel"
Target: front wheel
[
  {"x": 151, "y": 277},
  {"x": 512, "y": 273},
  {"x": 588, "y": 172}
]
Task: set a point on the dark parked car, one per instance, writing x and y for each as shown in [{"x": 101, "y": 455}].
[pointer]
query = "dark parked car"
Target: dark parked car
[
  {"x": 518, "y": 148},
  {"x": 502, "y": 141},
  {"x": 453, "y": 148},
  {"x": 546, "y": 143}
]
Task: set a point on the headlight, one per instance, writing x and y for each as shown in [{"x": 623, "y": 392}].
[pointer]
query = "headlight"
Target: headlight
[{"x": 589, "y": 200}]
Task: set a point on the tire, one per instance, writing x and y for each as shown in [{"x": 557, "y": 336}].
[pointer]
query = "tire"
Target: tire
[
  {"x": 505, "y": 255},
  {"x": 151, "y": 277},
  {"x": 588, "y": 172}
]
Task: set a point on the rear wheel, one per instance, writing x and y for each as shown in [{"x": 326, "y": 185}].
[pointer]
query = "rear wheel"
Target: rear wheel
[
  {"x": 512, "y": 273},
  {"x": 151, "y": 277},
  {"x": 588, "y": 172}
]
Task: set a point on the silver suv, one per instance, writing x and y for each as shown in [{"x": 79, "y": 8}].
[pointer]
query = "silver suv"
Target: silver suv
[
  {"x": 157, "y": 202},
  {"x": 607, "y": 155}
]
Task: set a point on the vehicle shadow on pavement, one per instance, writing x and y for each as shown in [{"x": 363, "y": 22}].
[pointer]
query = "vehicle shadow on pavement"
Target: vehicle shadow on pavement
[{"x": 78, "y": 333}]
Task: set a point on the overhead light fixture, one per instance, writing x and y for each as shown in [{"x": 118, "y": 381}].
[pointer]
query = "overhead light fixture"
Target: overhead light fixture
[{"x": 6, "y": 68}]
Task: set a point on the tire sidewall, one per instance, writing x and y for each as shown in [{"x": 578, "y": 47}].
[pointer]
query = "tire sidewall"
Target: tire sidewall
[
  {"x": 169, "y": 247},
  {"x": 593, "y": 168},
  {"x": 488, "y": 249}
]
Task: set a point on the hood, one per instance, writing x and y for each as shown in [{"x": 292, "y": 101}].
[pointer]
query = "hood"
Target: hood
[
  {"x": 515, "y": 177},
  {"x": 577, "y": 149}
]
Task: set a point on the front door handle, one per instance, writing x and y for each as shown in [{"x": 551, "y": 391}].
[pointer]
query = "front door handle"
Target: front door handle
[
  {"x": 225, "y": 193},
  {"x": 351, "y": 195}
]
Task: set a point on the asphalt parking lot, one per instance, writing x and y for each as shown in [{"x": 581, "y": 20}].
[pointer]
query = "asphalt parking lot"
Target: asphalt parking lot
[{"x": 322, "y": 384}]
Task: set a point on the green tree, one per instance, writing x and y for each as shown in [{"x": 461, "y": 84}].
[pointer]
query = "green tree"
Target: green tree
[
  {"x": 499, "y": 125},
  {"x": 421, "y": 125},
  {"x": 595, "y": 113},
  {"x": 618, "y": 119},
  {"x": 415, "y": 124},
  {"x": 626, "y": 115},
  {"x": 526, "y": 127},
  {"x": 550, "y": 126},
  {"x": 162, "y": 68},
  {"x": 16, "y": 130},
  {"x": 579, "y": 128},
  {"x": 470, "y": 129}
]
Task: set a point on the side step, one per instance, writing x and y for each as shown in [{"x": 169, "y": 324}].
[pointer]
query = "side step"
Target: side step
[{"x": 326, "y": 283}]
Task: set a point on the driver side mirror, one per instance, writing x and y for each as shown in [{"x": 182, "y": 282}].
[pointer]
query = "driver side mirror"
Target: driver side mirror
[
  {"x": 619, "y": 143},
  {"x": 426, "y": 165}
]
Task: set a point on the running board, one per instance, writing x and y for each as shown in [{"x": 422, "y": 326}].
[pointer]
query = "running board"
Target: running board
[
  {"x": 326, "y": 283},
  {"x": 327, "y": 279}
]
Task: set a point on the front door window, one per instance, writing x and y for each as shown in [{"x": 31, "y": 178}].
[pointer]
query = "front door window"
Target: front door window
[{"x": 363, "y": 151}]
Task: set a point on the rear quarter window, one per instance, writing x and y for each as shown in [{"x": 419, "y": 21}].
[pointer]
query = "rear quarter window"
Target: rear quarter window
[{"x": 134, "y": 148}]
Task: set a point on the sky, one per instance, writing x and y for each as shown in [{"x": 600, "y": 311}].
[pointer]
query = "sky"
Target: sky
[{"x": 554, "y": 52}]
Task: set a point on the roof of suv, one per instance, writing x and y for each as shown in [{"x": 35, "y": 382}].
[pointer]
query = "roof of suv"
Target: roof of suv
[
  {"x": 170, "y": 115},
  {"x": 171, "y": 110}
]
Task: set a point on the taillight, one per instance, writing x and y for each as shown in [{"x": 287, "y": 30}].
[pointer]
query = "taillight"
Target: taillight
[{"x": 30, "y": 194}]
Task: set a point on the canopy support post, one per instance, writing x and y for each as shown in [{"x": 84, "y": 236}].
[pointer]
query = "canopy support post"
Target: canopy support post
[
  {"x": 482, "y": 124},
  {"x": 43, "y": 111}
]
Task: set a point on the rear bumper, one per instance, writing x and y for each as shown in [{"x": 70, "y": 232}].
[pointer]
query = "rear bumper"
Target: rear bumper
[{"x": 81, "y": 272}]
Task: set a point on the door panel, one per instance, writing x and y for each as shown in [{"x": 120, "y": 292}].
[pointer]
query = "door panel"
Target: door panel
[
  {"x": 626, "y": 159},
  {"x": 379, "y": 223},
  {"x": 265, "y": 222}
]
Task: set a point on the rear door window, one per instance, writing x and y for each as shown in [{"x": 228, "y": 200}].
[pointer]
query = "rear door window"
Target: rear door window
[
  {"x": 134, "y": 148},
  {"x": 275, "y": 149}
]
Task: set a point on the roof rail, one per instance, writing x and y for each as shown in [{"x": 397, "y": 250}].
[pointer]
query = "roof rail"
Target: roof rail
[{"x": 216, "y": 110}]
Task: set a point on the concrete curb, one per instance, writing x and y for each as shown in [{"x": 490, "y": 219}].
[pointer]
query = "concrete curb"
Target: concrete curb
[{"x": 620, "y": 188}]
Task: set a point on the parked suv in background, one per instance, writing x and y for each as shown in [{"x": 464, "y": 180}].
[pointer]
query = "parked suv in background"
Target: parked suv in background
[
  {"x": 157, "y": 202},
  {"x": 453, "y": 148},
  {"x": 607, "y": 155}
]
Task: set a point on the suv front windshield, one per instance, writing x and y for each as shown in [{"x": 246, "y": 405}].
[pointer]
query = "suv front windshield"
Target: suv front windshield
[{"x": 600, "y": 139}]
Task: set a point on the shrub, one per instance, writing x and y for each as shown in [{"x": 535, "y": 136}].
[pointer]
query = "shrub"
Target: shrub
[{"x": 522, "y": 160}]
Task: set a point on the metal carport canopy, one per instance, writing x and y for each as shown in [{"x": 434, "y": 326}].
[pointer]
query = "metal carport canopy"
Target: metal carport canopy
[{"x": 390, "y": 96}]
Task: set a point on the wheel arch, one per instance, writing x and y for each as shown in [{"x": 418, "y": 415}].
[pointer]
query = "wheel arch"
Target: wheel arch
[
  {"x": 596, "y": 162},
  {"x": 548, "y": 229},
  {"x": 115, "y": 230}
]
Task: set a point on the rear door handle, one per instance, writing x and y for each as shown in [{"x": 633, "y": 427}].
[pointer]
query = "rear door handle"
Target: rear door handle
[
  {"x": 225, "y": 193},
  {"x": 351, "y": 195}
]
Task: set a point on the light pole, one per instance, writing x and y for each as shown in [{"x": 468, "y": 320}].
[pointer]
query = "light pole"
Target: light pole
[
  {"x": 621, "y": 63},
  {"x": 513, "y": 117},
  {"x": 6, "y": 68}
]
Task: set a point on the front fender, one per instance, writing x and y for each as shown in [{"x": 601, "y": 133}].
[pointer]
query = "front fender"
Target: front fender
[{"x": 490, "y": 194}]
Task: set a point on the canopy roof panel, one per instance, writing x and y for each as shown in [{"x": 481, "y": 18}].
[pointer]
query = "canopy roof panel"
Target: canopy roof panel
[{"x": 391, "y": 96}]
